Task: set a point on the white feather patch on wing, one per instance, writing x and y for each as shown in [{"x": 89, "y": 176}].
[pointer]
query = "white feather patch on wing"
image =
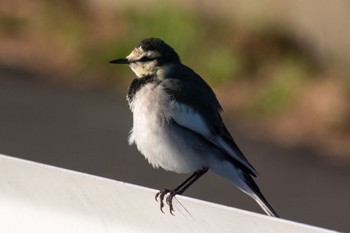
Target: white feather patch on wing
[
  {"x": 187, "y": 117},
  {"x": 230, "y": 151}
]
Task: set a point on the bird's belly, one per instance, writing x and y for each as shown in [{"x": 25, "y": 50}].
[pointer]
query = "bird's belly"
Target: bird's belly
[
  {"x": 159, "y": 141},
  {"x": 163, "y": 146},
  {"x": 162, "y": 149}
]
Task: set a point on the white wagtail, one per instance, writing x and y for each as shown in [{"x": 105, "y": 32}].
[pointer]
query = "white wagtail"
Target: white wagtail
[{"x": 177, "y": 123}]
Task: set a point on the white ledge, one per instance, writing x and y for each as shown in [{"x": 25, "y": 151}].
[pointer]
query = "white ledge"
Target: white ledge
[{"x": 40, "y": 198}]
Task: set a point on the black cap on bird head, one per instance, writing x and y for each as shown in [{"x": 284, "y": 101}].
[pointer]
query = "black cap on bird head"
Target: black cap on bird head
[
  {"x": 150, "y": 49},
  {"x": 167, "y": 53}
]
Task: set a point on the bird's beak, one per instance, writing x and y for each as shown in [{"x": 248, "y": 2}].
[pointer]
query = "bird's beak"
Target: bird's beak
[{"x": 120, "y": 61}]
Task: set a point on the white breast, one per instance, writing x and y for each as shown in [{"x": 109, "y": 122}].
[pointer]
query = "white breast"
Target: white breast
[{"x": 154, "y": 136}]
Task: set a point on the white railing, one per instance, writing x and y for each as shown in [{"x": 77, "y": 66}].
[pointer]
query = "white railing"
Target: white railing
[{"x": 44, "y": 199}]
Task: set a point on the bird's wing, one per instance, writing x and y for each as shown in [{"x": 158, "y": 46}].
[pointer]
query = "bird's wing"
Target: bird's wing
[
  {"x": 196, "y": 108},
  {"x": 188, "y": 118}
]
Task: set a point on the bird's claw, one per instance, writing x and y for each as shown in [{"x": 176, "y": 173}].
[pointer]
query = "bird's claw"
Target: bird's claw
[
  {"x": 169, "y": 199},
  {"x": 161, "y": 194}
]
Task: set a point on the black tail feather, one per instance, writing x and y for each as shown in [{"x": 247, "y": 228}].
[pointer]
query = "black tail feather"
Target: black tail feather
[{"x": 259, "y": 197}]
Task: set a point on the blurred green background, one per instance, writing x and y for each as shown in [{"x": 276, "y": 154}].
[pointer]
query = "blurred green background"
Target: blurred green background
[
  {"x": 282, "y": 65},
  {"x": 280, "y": 69}
]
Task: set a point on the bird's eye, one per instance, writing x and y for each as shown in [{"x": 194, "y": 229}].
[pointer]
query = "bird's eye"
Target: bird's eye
[{"x": 145, "y": 59}]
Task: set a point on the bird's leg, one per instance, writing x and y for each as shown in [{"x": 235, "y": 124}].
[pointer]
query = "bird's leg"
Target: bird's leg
[
  {"x": 178, "y": 190},
  {"x": 161, "y": 194}
]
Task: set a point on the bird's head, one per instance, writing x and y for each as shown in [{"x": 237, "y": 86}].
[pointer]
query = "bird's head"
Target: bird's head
[{"x": 149, "y": 57}]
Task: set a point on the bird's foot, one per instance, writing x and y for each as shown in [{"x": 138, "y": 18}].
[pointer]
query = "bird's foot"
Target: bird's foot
[{"x": 169, "y": 199}]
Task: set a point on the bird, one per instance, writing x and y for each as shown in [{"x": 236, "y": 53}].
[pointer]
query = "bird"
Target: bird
[{"x": 177, "y": 123}]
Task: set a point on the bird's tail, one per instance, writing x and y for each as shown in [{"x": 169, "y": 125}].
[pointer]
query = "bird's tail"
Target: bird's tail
[
  {"x": 266, "y": 206},
  {"x": 258, "y": 196},
  {"x": 245, "y": 183}
]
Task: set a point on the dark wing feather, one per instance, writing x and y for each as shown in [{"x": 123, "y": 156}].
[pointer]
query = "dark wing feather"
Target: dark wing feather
[{"x": 199, "y": 111}]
